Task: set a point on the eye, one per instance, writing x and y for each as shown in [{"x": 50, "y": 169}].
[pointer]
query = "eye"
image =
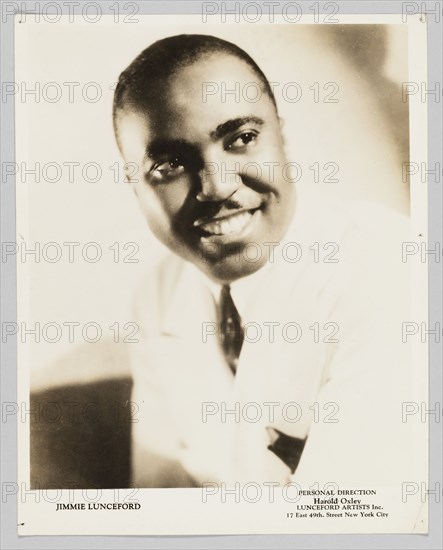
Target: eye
[
  {"x": 168, "y": 169},
  {"x": 242, "y": 141}
]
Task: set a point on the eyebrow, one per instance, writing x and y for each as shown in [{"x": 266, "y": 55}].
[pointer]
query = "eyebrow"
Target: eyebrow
[
  {"x": 234, "y": 124},
  {"x": 160, "y": 147}
]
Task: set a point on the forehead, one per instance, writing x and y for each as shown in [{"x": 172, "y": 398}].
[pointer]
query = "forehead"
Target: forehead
[
  {"x": 214, "y": 80},
  {"x": 195, "y": 99}
]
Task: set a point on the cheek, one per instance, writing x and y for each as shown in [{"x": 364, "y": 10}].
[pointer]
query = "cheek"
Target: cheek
[
  {"x": 171, "y": 197},
  {"x": 161, "y": 203},
  {"x": 276, "y": 151},
  {"x": 270, "y": 155},
  {"x": 273, "y": 172}
]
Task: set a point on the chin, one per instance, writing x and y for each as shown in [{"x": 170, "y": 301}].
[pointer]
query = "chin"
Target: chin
[{"x": 230, "y": 270}]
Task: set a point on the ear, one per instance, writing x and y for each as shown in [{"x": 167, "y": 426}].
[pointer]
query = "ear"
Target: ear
[
  {"x": 129, "y": 181},
  {"x": 133, "y": 187},
  {"x": 281, "y": 123}
]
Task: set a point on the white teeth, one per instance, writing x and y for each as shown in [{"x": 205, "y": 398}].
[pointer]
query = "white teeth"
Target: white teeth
[{"x": 232, "y": 224}]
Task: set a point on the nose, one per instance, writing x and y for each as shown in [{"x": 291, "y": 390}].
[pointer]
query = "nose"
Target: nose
[{"x": 218, "y": 181}]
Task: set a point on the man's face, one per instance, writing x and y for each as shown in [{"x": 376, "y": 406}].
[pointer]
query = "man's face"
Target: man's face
[{"x": 212, "y": 179}]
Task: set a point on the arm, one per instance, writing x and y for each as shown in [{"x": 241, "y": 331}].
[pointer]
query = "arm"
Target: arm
[{"x": 155, "y": 440}]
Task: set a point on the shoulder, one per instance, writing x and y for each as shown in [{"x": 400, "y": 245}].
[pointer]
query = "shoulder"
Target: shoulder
[
  {"x": 358, "y": 248},
  {"x": 364, "y": 232},
  {"x": 323, "y": 214},
  {"x": 155, "y": 290}
]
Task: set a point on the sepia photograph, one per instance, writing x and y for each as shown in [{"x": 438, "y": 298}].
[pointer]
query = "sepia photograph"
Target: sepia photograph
[{"x": 221, "y": 287}]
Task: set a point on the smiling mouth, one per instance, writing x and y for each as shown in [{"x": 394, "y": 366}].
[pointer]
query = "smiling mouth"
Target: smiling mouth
[{"x": 226, "y": 225}]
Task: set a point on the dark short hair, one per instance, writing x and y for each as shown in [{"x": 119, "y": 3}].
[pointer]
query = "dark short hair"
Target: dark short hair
[{"x": 139, "y": 81}]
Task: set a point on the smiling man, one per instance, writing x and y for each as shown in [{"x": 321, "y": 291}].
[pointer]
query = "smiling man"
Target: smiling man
[
  {"x": 205, "y": 183},
  {"x": 295, "y": 398}
]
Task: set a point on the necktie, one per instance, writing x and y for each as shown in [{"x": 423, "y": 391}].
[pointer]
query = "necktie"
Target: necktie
[{"x": 231, "y": 331}]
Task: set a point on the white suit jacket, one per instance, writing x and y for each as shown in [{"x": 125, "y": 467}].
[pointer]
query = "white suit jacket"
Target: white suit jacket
[{"x": 340, "y": 384}]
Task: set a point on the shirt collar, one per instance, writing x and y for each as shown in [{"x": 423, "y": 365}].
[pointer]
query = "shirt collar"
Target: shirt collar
[{"x": 243, "y": 291}]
